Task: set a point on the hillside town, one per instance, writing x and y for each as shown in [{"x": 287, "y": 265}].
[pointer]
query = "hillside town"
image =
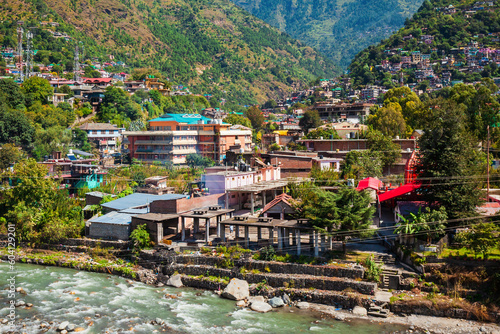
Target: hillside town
[{"x": 376, "y": 199}]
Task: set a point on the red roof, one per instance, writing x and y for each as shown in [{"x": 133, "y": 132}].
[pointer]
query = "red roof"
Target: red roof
[
  {"x": 370, "y": 182},
  {"x": 398, "y": 191},
  {"x": 285, "y": 198}
]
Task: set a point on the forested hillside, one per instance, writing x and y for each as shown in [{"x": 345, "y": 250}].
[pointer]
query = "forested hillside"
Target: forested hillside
[
  {"x": 338, "y": 28},
  {"x": 212, "y": 47},
  {"x": 460, "y": 37}
]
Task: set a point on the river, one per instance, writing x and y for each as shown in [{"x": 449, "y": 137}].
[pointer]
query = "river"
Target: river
[{"x": 61, "y": 294}]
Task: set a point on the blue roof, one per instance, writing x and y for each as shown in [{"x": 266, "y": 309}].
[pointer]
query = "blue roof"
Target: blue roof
[
  {"x": 135, "y": 211},
  {"x": 138, "y": 199},
  {"x": 114, "y": 217},
  {"x": 182, "y": 118}
]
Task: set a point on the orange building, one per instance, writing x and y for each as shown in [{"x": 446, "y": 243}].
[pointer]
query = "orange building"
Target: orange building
[{"x": 172, "y": 137}]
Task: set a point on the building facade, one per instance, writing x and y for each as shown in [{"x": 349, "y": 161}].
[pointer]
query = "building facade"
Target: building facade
[
  {"x": 172, "y": 137},
  {"x": 104, "y": 135},
  {"x": 352, "y": 112}
]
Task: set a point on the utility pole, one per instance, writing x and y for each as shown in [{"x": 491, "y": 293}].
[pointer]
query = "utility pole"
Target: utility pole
[
  {"x": 488, "y": 167},
  {"x": 20, "y": 32}
]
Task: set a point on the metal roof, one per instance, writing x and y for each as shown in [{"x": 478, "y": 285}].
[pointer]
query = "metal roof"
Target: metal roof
[
  {"x": 267, "y": 185},
  {"x": 137, "y": 200},
  {"x": 115, "y": 218}
]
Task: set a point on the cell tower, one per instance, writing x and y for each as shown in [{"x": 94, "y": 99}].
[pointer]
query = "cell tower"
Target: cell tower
[
  {"x": 76, "y": 69},
  {"x": 20, "y": 32},
  {"x": 29, "y": 56}
]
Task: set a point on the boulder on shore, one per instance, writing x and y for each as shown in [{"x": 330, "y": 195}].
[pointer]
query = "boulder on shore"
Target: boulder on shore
[
  {"x": 303, "y": 305},
  {"x": 358, "y": 310},
  {"x": 175, "y": 281},
  {"x": 237, "y": 289},
  {"x": 261, "y": 307},
  {"x": 255, "y": 299},
  {"x": 276, "y": 302}
]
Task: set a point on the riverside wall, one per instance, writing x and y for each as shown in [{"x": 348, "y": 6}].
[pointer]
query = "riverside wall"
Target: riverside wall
[
  {"x": 263, "y": 266},
  {"x": 277, "y": 279}
]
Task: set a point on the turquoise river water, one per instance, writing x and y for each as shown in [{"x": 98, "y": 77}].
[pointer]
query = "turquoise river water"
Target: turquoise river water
[{"x": 61, "y": 294}]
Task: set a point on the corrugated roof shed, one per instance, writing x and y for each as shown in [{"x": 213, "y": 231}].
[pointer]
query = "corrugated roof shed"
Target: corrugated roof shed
[
  {"x": 137, "y": 200},
  {"x": 115, "y": 218}
]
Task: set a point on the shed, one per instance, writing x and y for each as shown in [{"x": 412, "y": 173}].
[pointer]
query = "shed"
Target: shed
[{"x": 114, "y": 226}]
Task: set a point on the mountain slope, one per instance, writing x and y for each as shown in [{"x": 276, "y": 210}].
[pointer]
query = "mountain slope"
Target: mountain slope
[
  {"x": 212, "y": 47},
  {"x": 461, "y": 38},
  {"x": 338, "y": 28}
]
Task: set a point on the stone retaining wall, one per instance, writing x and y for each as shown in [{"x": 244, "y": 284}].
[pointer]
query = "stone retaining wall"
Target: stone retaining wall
[
  {"x": 276, "y": 280},
  {"x": 273, "y": 267}
]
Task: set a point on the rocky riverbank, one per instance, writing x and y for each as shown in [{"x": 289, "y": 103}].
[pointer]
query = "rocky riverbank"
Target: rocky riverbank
[{"x": 259, "y": 294}]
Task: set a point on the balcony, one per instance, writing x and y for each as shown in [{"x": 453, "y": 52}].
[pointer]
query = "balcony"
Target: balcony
[{"x": 153, "y": 142}]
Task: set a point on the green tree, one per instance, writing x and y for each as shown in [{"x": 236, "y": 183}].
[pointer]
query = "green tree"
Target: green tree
[
  {"x": 36, "y": 89},
  {"x": 237, "y": 119},
  {"x": 36, "y": 206},
  {"x": 11, "y": 94},
  {"x": 254, "y": 114},
  {"x": 310, "y": 120},
  {"x": 384, "y": 147},
  {"x": 195, "y": 160},
  {"x": 325, "y": 132},
  {"x": 347, "y": 211},
  {"x": 481, "y": 238},
  {"x": 449, "y": 161},
  {"x": 16, "y": 128},
  {"x": 9, "y": 154},
  {"x": 389, "y": 120},
  {"x": 361, "y": 164}
]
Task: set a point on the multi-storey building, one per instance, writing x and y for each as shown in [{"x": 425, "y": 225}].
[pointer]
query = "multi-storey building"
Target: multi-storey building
[
  {"x": 172, "y": 137},
  {"x": 104, "y": 135},
  {"x": 352, "y": 112}
]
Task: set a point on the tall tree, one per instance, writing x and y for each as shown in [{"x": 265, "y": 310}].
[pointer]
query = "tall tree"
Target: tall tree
[
  {"x": 11, "y": 94},
  {"x": 384, "y": 147},
  {"x": 389, "y": 120},
  {"x": 36, "y": 89},
  {"x": 254, "y": 114},
  {"x": 15, "y": 128},
  {"x": 310, "y": 120},
  {"x": 450, "y": 160}
]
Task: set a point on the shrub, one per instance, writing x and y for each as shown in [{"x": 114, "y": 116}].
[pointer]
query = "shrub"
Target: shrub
[
  {"x": 373, "y": 270},
  {"x": 140, "y": 237},
  {"x": 267, "y": 254}
]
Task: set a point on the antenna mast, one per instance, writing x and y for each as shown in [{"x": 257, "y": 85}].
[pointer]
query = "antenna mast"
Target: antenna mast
[
  {"x": 29, "y": 57},
  {"x": 77, "y": 64},
  {"x": 20, "y": 32}
]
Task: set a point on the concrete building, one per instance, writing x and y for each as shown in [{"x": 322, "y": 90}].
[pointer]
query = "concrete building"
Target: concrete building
[
  {"x": 172, "y": 137},
  {"x": 352, "y": 112},
  {"x": 114, "y": 226},
  {"x": 104, "y": 135}
]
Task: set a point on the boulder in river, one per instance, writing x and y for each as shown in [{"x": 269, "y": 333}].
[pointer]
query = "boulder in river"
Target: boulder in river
[
  {"x": 276, "y": 302},
  {"x": 241, "y": 303},
  {"x": 175, "y": 281},
  {"x": 261, "y": 307},
  {"x": 63, "y": 326},
  {"x": 237, "y": 289}
]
